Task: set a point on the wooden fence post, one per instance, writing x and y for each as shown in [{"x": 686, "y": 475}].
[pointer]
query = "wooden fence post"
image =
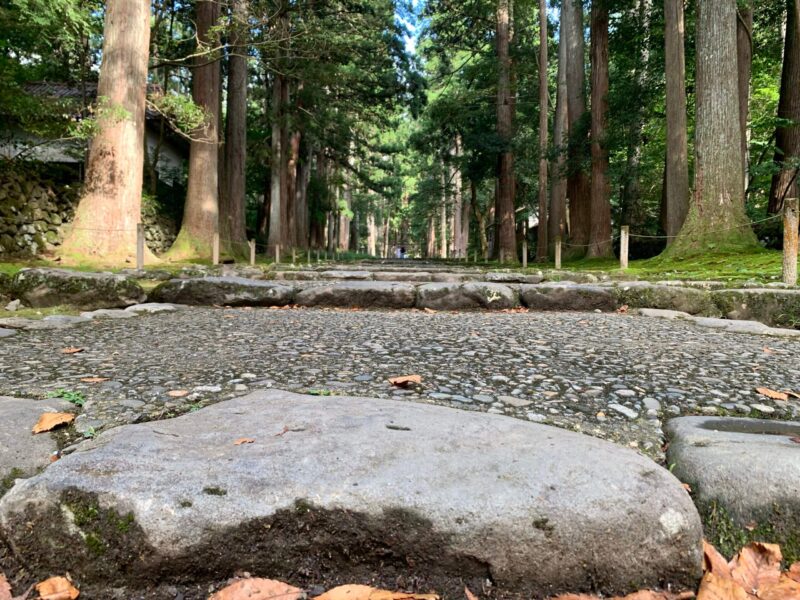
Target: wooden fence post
[
  {"x": 790, "y": 220},
  {"x": 624, "y": 239},
  {"x": 140, "y": 246},
  {"x": 252, "y": 244},
  {"x": 215, "y": 249},
  {"x": 524, "y": 254},
  {"x": 558, "y": 252}
]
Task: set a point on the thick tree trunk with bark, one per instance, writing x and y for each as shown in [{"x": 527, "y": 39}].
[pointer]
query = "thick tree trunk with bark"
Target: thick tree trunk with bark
[
  {"x": 459, "y": 249},
  {"x": 232, "y": 200},
  {"x": 276, "y": 162},
  {"x": 507, "y": 243},
  {"x": 293, "y": 174},
  {"x": 716, "y": 221},
  {"x": 600, "y": 232},
  {"x": 744, "y": 59},
  {"x": 480, "y": 216},
  {"x": 104, "y": 228},
  {"x": 301, "y": 198},
  {"x": 541, "y": 243},
  {"x": 676, "y": 178},
  {"x": 443, "y": 217},
  {"x": 578, "y": 188},
  {"x": 787, "y": 137},
  {"x": 558, "y": 188},
  {"x": 287, "y": 202},
  {"x": 201, "y": 211}
]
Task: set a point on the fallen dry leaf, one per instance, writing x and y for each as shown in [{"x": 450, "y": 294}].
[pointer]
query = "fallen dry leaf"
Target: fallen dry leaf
[
  {"x": 49, "y": 421},
  {"x": 5, "y": 588},
  {"x": 651, "y": 595},
  {"x": 177, "y": 393},
  {"x": 469, "y": 594},
  {"x": 71, "y": 350},
  {"x": 714, "y": 587},
  {"x": 768, "y": 350},
  {"x": 258, "y": 589},
  {"x": 430, "y": 311},
  {"x": 786, "y": 588},
  {"x": 57, "y": 588},
  {"x": 796, "y": 440},
  {"x": 94, "y": 379},
  {"x": 714, "y": 562},
  {"x": 575, "y": 597},
  {"x": 623, "y": 309},
  {"x": 405, "y": 380},
  {"x": 772, "y": 394},
  {"x": 687, "y": 487},
  {"x": 757, "y": 566},
  {"x": 365, "y": 592},
  {"x": 794, "y": 572},
  {"x": 241, "y": 441},
  {"x": 794, "y": 394}
]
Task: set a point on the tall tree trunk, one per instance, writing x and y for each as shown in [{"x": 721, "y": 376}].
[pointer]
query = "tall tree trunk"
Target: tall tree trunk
[
  {"x": 302, "y": 231},
  {"x": 787, "y": 136},
  {"x": 372, "y": 233},
  {"x": 276, "y": 162},
  {"x": 541, "y": 242},
  {"x": 430, "y": 248},
  {"x": 578, "y": 188},
  {"x": 201, "y": 212},
  {"x": 507, "y": 243},
  {"x": 558, "y": 189},
  {"x": 232, "y": 200},
  {"x": 600, "y": 233},
  {"x": 287, "y": 202},
  {"x": 676, "y": 179},
  {"x": 293, "y": 169},
  {"x": 459, "y": 247},
  {"x": 443, "y": 217},
  {"x": 631, "y": 209},
  {"x": 480, "y": 216},
  {"x": 716, "y": 221},
  {"x": 104, "y": 228},
  {"x": 744, "y": 59}
]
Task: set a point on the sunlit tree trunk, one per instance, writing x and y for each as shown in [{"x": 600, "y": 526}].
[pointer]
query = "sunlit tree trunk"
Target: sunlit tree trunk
[
  {"x": 443, "y": 217},
  {"x": 507, "y": 243},
  {"x": 676, "y": 178},
  {"x": 201, "y": 211},
  {"x": 104, "y": 228},
  {"x": 459, "y": 248},
  {"x": 787, "y": 136},
  {"x": 558, "y": 188},
  {"x": 716, "y": 221},
  {"x": 744, "y": 51},
  {"x": 600, "y": 232},
  {"x": 541, "y": 244}
]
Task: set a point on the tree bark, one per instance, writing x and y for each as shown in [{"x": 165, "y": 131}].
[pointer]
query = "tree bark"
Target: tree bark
[
  {"x": 600, "y": 233},
  {"x": 276, "y": 206},
  {"x": 578, "y": 188},
  {"x": 558, "y": 189},
  {"x": 676, "y": 179},
  {"x": 232, "y": 200},
  {"x": 744, "y": 59},
  {"x": 507, "y": 243},
  {"x": 443, "y": 217},
  {"x": 480, "y": 216},
  {"x": 541, "y": 242},
  {"x": 716, "y": 221},
  {"x": 201, "y": 211},
  {"x": 104, "y": 228},
  {"x": 459, "y": 247},
  {"x": 787, "y": 137}
]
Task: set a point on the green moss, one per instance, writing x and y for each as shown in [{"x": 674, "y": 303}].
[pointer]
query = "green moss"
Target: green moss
[
  {"x": 215, "y": 491},
  {"x": 729, "y": 537},
  {"x": 95, "y": 544},
  {"x": 101, "y": 528},
  {"x": 7, "y": 482}
]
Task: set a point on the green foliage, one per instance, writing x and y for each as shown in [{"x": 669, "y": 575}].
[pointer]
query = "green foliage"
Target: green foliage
[
  {"x": 180, "y": 110},
  {"x": 76, "y": 398}
]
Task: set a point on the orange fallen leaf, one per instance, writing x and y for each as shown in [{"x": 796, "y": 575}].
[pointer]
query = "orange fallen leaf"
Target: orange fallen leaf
[
  {"x": 714, "y": 562},
  {"x": 430, "y": 311},
  {"x": 772, "y": 394},
  {"x": 94, "y": 379},
  {"x": 241, "y": 441},
  {"x": 651, "y": 595},
  {"x": 786, "y": 588},
  {"x": 623, "y": 309},
  {"x": 469, "y": 594},
  {"x": 365, "y": 592},
  {"x": 687, "y": 487},
  {"x": 49, "y": 421},
  {"x": 405, "y": 380},
  {"x": 768, "y": 350},
  {"x": 794, "y": 572},
  {"x": 258, "y": 589},
  {"x": 575, "y": 597},
  {"x": 796, "y": 440},
  {"x": 57, "y": 588},
  {"x": 177, "y": 393},
  {"x": 5, "y": 588},
  {"x": 756, "y": 566},
  {"x": 71, "y": 350},
  {"x": 715, "y": 587},
  {"x": 794, "y": 394}
]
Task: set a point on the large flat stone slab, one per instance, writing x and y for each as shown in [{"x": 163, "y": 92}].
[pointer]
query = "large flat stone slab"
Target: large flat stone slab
[
  {"x": 455, "y": 296},
  {"x": 41, "y": 288},
  {"x": 567, "y": 296},
  {"x": 369, "y": 485},
  {"x": 642, "y": 294},
  {"x": 21, "y": 453},
  {"x": 360, "y": 294},
  {"x": 773, "y": 306},
  {"x": 745, "y": 470},
  {"x": 222, "y": 291}
]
